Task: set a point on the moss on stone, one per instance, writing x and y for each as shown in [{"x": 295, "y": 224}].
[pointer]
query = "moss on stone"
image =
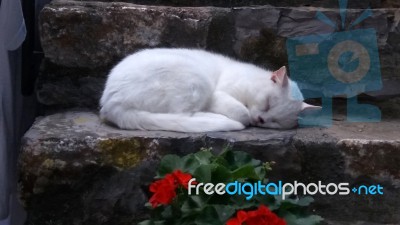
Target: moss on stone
[
  {"x": 48, "y": 164},
  {"x": 123, "y": 153}
]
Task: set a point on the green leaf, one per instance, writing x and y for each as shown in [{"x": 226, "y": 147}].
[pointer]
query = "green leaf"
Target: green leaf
[
  {"x": 208, "y": 216},
  {"x": 167, "y": 212},
  {"x": 221, "y": 174},
  {"x": 221, "y": 161},
  {"x": 243, "y": 158},
  {"x": 192, "y": 204},
  {"x": 185, "y": 221},
  {"x": 304, "y": 201},
  {"x": 190, "y": 163},
  {"x": 151, "y": 222},
  {"x": 146, "y": 222},
  {"x": 168, "y": 164},
  {"x": 238, "y": 159},
  {"x": 161, "y": 222},
  {"x": 267, "y": 200},
  {"x": 225, "y": 212},
  {"x": 240, "y": 202},
  {"x": 292, "y": 219},
  {"x": 203, "y": 157},
  {"x": 261, "y": 172},
  {"x": 294, "y": 204},
  {"x": 245, "y": 172},
  {"x": 230, "y": 157},
  {"x": 203, "y": 174}
]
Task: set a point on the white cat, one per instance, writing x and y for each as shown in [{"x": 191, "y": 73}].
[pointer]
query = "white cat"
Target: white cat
[{"x": 189, "y": 90}]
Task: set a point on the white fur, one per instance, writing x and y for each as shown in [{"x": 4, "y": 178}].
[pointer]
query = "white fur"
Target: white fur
[{"x": 193, "y": 91}]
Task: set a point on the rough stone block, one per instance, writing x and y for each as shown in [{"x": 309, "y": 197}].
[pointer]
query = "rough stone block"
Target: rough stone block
[
  {"x": 93, "y": 34},
  {"x": 291, "y": 3},
  {"x": 72, "y": 166},
  {"x": 83, "y": 40}
]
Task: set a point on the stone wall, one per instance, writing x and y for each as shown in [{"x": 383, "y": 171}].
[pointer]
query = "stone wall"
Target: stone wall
[
  {"x": 74, "y": 169},
  {"x": 284, "y": 3},
  {"x": 83, "y": 40}
]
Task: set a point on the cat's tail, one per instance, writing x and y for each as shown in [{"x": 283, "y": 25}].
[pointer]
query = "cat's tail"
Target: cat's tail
[{"x": 195, "y": 122}]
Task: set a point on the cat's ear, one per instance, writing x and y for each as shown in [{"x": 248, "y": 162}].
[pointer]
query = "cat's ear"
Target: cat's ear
[
  {"x": 306, "y": 107},
  {"x": 280, "y": 77}
]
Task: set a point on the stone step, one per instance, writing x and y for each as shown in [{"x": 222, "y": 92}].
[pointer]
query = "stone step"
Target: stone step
[
  {"x": 280, "y": 3},
  {"x": 76, "y": 169},
  {"x": 82, "y": 40}
]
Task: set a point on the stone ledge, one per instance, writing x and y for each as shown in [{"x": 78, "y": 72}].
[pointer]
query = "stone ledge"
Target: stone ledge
[
  {"x": 237, "y": 3},
  {"x": 71, "y": 162}
]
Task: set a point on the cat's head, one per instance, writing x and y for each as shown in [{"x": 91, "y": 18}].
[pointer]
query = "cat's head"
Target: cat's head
[{"x": 280, "y": 110}]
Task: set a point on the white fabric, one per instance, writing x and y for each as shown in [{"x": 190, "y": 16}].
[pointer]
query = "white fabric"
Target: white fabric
[{"x": 12, "y": 34}]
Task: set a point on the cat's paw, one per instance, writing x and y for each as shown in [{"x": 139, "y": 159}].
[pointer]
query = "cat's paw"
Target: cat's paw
[
  {"x": 242, "y": 116},
  {"x": 232, "y": 125},
  {"x": 238, "y": 126}
]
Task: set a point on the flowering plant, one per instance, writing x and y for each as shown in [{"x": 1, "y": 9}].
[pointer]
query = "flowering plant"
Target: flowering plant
[
  {"x": 164, "y": 189},
  {"x": 171, "y": 203},
  {"x": 260, "y": 216}
]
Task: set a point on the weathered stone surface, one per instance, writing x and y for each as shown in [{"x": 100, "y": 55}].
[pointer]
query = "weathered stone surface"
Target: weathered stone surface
[
  {"x": 75, "y": 162},
  {"x": 252, "y": 23},
  {"x": 328, "y": 159},
  {"x": 114, "y": 30},
  {"x": 93, "y": 34},
  {"x": 390, "y": 3},
  {"x": 72, "y": 163},
  {"x": 374, "y": 158},
  {"x": 291, "y": 3},
  {"x": 65, "y": 87},
  {"x": 82, "y": 40}
]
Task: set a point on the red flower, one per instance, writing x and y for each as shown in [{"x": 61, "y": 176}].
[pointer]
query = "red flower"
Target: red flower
[
  {"x": 164, "y": 189},
  {"x": 182, "y": 178},
  {"x": 241, "y": 216},
  {"x": 261, "y": 216}
]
